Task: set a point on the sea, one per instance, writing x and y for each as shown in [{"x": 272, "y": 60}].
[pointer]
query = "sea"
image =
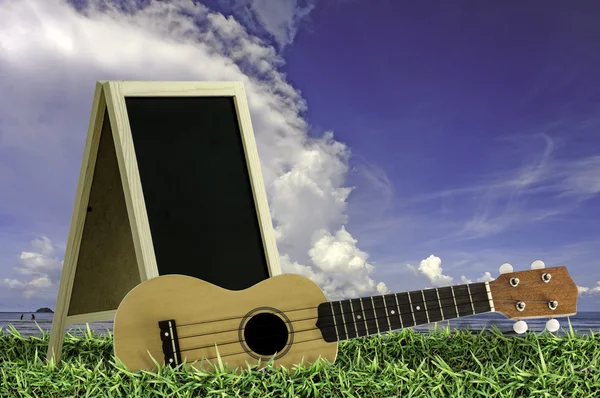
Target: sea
[{"x": 584, "y": 323}]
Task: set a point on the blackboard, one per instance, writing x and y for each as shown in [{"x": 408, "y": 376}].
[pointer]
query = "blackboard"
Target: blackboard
[{"x": 196, "y": 187}]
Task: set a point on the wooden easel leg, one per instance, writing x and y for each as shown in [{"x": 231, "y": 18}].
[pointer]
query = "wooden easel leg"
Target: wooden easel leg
[
  {"x": 57, "y": 333},
  {"x": 88, "y": 164}
]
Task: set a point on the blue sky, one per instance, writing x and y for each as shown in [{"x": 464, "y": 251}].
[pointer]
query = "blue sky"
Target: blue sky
[{"x": 403, "y": 146}]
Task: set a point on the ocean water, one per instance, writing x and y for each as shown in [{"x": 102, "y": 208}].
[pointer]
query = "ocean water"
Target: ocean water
[{"x": 583, "y": 322}]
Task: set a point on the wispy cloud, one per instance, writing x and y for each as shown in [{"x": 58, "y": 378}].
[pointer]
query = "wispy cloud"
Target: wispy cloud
[
  {"x": 371, "y": 198},
  {"x": 39, "y": 271},
  {"x": 542, "y": 187},
  {"x": 280, "y": 20},
  {"x": 583, "y": 290}
]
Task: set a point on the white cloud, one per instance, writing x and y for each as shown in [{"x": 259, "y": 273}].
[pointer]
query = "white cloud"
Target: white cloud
[
  {"x": 344, "y": 265},
  {"x": 340, "y": 268},
  {"x": 43, "y": 245},
  {"x": 431, "y": 268},
  {"x": 38, "y": 264},
  {"x": 586, "y": 290},
  {"x": 280, "y": 19},
  {"x": 51, "y": 57},
  {"x": 13, "y": 283},
  {"x": 41, "y": 282},
  {"x": 40, "y": 272},
  {"x": 583, "y": 290},
  {"x": 486, "y": 277}
]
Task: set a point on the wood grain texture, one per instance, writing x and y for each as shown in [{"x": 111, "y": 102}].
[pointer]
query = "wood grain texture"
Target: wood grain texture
[
  {"x": 177, "y": 89},
  {"x": 535, "y": 293},
  {"x": 256, "y": 180},
  {"x": 84, "y": 185},
  {"x": 91, "y": 317},
  {"x": 130, "y": 177},
  {"x": 207, "y": 309}
]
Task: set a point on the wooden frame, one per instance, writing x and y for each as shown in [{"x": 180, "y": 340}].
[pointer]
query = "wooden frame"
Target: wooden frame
[{"x": 86, "y": 294}]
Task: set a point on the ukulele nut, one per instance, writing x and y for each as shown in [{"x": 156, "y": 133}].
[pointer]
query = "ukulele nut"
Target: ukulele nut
[
  {"x": 546, "y": 277},
  {"x": 553, "y": 304},
  {"x": 520, "y": 306},
  {"x": 514, "y": 282}
]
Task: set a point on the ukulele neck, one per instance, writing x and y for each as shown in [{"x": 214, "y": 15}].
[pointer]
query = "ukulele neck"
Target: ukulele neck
[{"x": 348, "y": 319}]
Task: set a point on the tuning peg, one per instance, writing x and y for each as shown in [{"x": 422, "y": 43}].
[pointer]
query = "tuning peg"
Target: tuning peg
[
  {"x": 505, "y": 268},
  {"x": 520, "y": 327},
  {"x": 538, "y": 264},
  {"x": 552, "y": 325}
]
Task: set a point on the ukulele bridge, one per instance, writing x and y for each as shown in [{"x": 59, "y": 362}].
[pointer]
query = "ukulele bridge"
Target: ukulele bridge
[{"x": 170, "y": 342}]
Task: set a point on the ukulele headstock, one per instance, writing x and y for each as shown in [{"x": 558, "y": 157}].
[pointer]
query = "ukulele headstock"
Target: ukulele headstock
[{"x": 538, "y": 293}]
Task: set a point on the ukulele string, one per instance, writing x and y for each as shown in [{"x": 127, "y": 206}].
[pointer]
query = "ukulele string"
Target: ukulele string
[
  {"x": 239, "y": 353},
  {"x": 353, "y": 322},
  {"x": 364, "y": 320},
  {"x": 347, "y": 313},
  {"x": 343, "y": 313},
  {"x": 374, "y": 308}
]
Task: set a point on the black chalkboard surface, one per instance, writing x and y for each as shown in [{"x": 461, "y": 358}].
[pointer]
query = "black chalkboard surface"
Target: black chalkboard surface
[{"x": 197, "y": 191}]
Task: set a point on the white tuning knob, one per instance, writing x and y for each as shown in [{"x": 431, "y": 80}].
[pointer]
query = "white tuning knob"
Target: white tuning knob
[
  {"x": 552, "y": 325},
  {"x": 538, "y": 264},
  {"x": 520, "y": 327},
  {"x": 505, "y": 268}
]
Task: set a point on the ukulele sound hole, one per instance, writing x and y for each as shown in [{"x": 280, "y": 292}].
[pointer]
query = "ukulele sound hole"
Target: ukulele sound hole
[{"x": 266, "y": 334}]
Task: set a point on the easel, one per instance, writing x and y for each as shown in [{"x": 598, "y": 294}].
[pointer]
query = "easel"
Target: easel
[{"x": 110, "y": 245}]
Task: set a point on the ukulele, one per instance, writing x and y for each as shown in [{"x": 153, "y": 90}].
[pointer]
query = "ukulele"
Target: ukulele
[{"x": 287, "y": 318}]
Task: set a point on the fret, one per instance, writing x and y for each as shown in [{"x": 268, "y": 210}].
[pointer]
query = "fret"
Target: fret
[
  {"x": 399, "y": 311},
  {"x": 446, "y": 297},
  {"x": 489, "y": 296},
  {"x": 437, "y": 293},
  {"x": 391, "y": 307},
  {"x": 338, "y": 321},
  {"x": 367, "y": 306},
  {"x": 471, "y": 298},
  {"x": 408, "y": 318},
  {"x": 425, "y": 304},
  {"x": 348, "y": 316},
  {"x": 381, "y": 314},
  {"x": 432, "y": 305},
  {"x": 481, "y": 300},
  {"x": 454, "y": 298},
  {"x": 359, "y": 318},
  {"x": 348, "y": 319},
  {"x": 375, "y": 314},
  {"x": 418, "y": 307},
  {"x": 387, "y": 313},
  {"x": 463, "y": 301}
]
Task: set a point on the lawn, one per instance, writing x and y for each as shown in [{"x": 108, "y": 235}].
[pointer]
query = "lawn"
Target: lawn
[{"x": 404, "y": 364}]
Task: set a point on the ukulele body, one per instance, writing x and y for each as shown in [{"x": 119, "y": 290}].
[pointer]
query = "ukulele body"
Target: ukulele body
[{"x": 275, "y": 318}]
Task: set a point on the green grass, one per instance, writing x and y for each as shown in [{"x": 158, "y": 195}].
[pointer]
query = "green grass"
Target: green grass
[{"x": 406, "y": 364}]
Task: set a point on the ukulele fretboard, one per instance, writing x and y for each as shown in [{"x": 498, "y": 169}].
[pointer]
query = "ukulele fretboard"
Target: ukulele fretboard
[{"x": 348, "y": 319}]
